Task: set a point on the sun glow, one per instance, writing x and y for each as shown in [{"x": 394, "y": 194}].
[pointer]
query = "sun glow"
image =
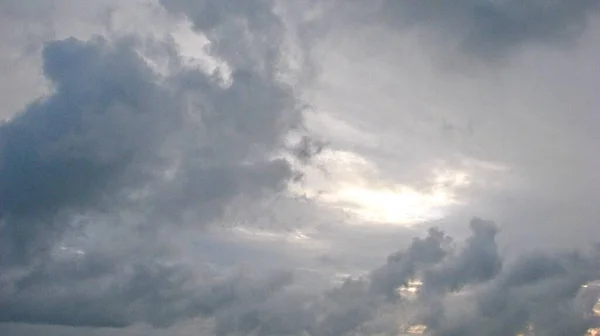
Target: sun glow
[
  {"x": 355, "y": 186},
  {"x": 401, "y": 205}
]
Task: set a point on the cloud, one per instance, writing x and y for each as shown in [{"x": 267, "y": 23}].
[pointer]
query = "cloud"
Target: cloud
[
  {"x": 110, "y": 293},
  {"x": 120, "y": 150},
  {"x": 478, "y": 261},
  {"x": 542, "y": 290},
  {"x": 420, "y": 116},
  {"x": 535, "y": 290},
  {"x": 490, "y": 29},
  {"x": 112, "y": 126},
  {"x": 69, "y": 150},
  {"x": 107, "y": 180},
  {"x": 405, "y": 265},
  {"x": 463, "y": 291},
  {"x": 232, "y": 27}
]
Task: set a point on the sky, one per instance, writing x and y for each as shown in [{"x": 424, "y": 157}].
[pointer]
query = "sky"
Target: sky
[{"x": 271, "y": 167}]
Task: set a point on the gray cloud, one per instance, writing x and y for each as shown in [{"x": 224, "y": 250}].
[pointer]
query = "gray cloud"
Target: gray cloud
[
  {"x": 74, "y": 148},
  {"x": 137, "y": 152},
  {"x": 537, "y": 290},
  {"x": 543, "y": 290},
  {"x": 491, "y": 28},
  {"x": 405, "y": 265},
  {"x": 235, "y": 26},
  {"x": 111, "y": 127},
  {"x": 119, "y": 161},
  {"x": 478, "y": 261},
  {"x": 521, "y": 131},
  {"x": 473, "y": 297},
  {"x": 110, "y": 293}
]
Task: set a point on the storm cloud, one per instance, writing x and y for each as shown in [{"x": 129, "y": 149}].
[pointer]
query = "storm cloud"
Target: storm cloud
[
  {"x": 218, "y": 166},
  {"x": 115, "y": 137},
  {"x": 539, "y": 290},
  {"x": 107, "y": 129}
]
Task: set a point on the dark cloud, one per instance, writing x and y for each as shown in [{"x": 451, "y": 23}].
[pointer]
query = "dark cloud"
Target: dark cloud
[
  {"x": 120, "y": 158},
  {"x": 536, "y": 290},
  {"x": 405, "y": 265},
  {"x": 118, "y": 294},
  {"x": 69, "y": 151},
  {"x": 491, "y": 28},
  {"x": 237, "y": 26},
  {"x": 136, "y": 152},
  {"x": 478, "y": 261},
  {"x": 112, "y": 125},
  {"x": 473, "y": 295}
]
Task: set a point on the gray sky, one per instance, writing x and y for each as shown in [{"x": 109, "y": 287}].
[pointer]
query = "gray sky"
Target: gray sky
[{"x": 182, "y": 167}]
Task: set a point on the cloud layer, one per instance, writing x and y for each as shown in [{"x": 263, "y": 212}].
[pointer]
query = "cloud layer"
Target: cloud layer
[
  {"x": 118, "y": 148},
  {"x": 133, "y": 189}
]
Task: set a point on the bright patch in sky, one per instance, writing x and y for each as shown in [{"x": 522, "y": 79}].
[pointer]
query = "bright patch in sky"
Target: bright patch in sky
[
  {"x": 353, "y": 185},
  {"x": 400, "y": 205}
]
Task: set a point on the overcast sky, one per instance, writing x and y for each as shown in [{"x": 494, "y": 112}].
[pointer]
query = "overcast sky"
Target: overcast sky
[{"x": 266, "y": 167}]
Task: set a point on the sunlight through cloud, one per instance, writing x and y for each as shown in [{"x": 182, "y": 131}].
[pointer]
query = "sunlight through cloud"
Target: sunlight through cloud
[{"x": 353, "y": 185}]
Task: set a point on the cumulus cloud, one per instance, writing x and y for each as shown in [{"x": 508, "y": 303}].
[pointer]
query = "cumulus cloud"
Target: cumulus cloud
[
  {"x": 404, "y": 265},
  {"x": 110, "y": 128},
  {"x": 475, "y": 296},
  {"x": 65, "y": 151},
  {"x": 538, "y": 291},
  {"x": 133, "y": 150},
  {"x": 477, "y": 261},
  {"x": 464, "y": 291}
]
